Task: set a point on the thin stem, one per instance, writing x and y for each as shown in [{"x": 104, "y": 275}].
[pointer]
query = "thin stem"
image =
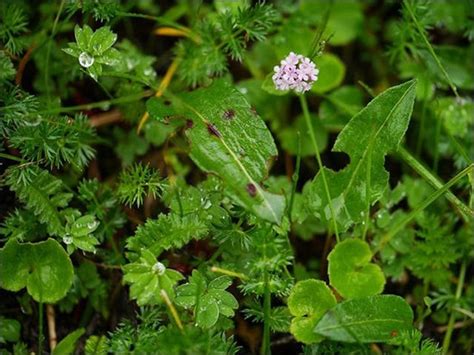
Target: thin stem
[
  {"x": 11, "y": 157},
  {"x": 429, "y": 200},
  {"x": 228, "y": 272},
  {"x": 266, "y": 315},
  {"x": 430, "y": 48},
  {"x": 48, "y": 50},
  {"x": 172, "y": 309},
  {"x": 295, "y": 178},
  {"x": 304, "y": 106},
  {"x": 452, "y": 318},
  {"x": 433, "y": 180},
  {"x": 40, "y": 328}
]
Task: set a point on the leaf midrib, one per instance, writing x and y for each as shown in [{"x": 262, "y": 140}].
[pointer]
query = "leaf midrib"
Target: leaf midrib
[
  {"x": 235, "y": 158},
  {"x": 350, "y": 324}
]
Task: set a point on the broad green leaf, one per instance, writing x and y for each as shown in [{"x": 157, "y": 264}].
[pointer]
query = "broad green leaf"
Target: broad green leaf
[
  {"x": 96, "y": 345},
  {"x": 367, "y": 138},
  {"x": 148, "y": 277},
  {"x": 371, "y": 319},
  {"x": 331, "y": 73},
  {"x": 159, "y": 109},
  {"x": 308, "y": 301},
  {"x": 68, "y": 344},
  {"x": 230, "y": 139},
  {"x": 9, "y": 330},
  {"x": 44, "y": 268},
  {"x": 350, "y": 270},
  {"x": 83, "y": 37}
]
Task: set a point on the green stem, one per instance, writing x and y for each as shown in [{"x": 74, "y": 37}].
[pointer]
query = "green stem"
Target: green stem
[
  {"x": 40, "y": 328},
  {"x": 433, "y": 180},
  {"x": 452, "y": 318},
  {"x": 266, "y": 315},
  {"x": 11, "y": 157},
  {"x": 430, "y": 48},
  {"x": 295, "y": 178},
  {"x": 304, "y": 106},
  {"x": 430, "y": 199},
  {"x": 48, "y": 50}
]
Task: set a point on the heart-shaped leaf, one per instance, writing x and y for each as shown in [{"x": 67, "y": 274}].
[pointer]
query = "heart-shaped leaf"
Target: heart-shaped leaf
[
  {"x": 44, "y": 268},
  {"x": 350, "y": 270},
  {"x": 367, "y": 320},
  {"x": 308, "y": 301}
]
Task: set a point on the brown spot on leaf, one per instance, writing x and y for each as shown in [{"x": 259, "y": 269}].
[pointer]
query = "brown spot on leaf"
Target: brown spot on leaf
[
  {"x": 393, "y": 333},
  {"x": 228, "y": 114},
  {"x": 254, "y": 111},
  {"x": 213, "y": 130},
  {"x": 252, "y": 189},
  {"x": 189, "y": 124}
]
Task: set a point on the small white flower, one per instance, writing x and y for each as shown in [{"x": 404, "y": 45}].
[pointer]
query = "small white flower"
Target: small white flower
[{"x": 295, "y": 72}]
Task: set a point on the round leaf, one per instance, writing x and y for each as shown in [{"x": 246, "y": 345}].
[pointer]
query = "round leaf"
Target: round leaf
[
  {"x": 9, "y": 330},
  {"x": 208, "y": 312},
  {"x": 44, "y": 268},
  {"x": 308, "y": 302},
  {"x": 331, "y": 73},
  {"x": 350, "y": 270}
]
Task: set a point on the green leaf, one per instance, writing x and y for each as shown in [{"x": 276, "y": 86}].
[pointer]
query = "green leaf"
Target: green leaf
[
  {"x": 43, "y": 268},
  {"x": 371, "y": 319},
  {"x": 96, "y": 345},
  {"x": 208, "y": 300},
  {"x": 230, "y": 139},
  {"x": 159, "y": 109},
  {"x": 331, "y": 73},
  {"x": 83, "y": 36},
  {"x": 101, "y": 40},
  {"x": 148, "y": 278},
  {"x": 68, "y": 344},
  {"x": 9, "y": 330},
  {"x": 308, "y": 301},
  {"x": 367, "y": 138},
  {"x": 207, "y": 312},
  {"x": 350, "y": 270}
]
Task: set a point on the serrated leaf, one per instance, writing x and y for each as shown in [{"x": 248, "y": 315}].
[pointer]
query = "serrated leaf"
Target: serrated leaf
[
  {"x": 43, "y": 268},
  {"x": 148, "y": 277},
  {"x": 371, "y": 319},
  {"x": 230, "y": 139},
  {"x": 308, "y": 301},
  {"x": 102, "y": 39},
  {"x": 67, "y": 345},
  {"x": 96, "y": 345},
  {"x": 367, "y": 138},
  {"x": 350, "y": 270}
]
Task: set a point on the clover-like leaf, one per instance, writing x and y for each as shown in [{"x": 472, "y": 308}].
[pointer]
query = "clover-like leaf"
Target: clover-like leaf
[
  {"x": 209, "y": 300},
  {"x": 79, "y": 232},
  {"x": 366, "y": 320},
  {"x": 308, "y": 302},
  {"x": 331, "y": 73},
  {"x": 148, "y": 278},
  {"x": 44, "y": 268},
  {"x": 350, "y": 270}
]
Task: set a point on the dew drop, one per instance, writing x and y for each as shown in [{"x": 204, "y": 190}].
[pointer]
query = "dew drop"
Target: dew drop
[
  {"x": 67, "y": 240},
  {"x": 86, "y": 60},
  {"x": 159, "y": 268}
]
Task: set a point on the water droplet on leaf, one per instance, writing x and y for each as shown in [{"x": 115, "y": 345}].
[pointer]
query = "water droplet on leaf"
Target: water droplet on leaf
[{"x": 86, "y": 60}]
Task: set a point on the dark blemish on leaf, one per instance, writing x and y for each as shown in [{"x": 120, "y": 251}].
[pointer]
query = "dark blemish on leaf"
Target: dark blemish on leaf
[
  {"x": 254, "y": 111},
  {"x": 228, "y": 114},
  {"x": 167, "y": 102},
  {"x": 252, "y": 190},
  {"x": 213, "y": 130},
  {"x": 189, "y": 124},
  {"x": 393, "y": 333}
]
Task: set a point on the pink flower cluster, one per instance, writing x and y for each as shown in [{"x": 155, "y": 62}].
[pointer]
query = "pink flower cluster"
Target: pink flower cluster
[{"x": 295, "y": 72}]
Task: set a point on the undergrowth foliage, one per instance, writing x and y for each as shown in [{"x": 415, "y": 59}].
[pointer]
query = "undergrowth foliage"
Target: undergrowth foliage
[{"x": 227, "y": 177}]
